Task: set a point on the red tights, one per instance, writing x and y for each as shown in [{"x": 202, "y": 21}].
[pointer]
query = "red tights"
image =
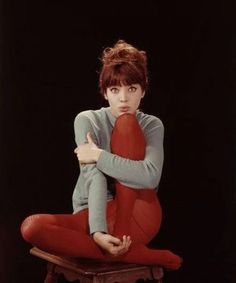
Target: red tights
[{"x": 134, "y": 212}]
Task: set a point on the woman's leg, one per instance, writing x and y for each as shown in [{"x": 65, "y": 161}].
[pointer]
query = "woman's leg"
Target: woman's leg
[
  {"x": 128, "y": 141},
  {"x": 140, "y": 254},
  {"x": 62, "y": 234}
]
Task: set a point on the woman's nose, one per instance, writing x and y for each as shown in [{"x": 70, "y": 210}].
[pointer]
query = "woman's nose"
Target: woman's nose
[{"x": 123, "y": 96}]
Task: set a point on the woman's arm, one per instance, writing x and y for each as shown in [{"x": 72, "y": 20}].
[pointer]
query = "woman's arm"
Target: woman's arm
[
  {"x": 138, "y": 174},
  {"x": 94, "y": 181}
]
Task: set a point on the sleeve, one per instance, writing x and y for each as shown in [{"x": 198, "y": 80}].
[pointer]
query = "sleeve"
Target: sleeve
[
  {"x": 138, "y": 174},
  {"x": 95, "y": 181}
]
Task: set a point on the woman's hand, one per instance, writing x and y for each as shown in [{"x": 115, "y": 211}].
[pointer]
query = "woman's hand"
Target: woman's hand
[
  {"x": 111, "y": 244},
  {"x": 88, "y": 152}
]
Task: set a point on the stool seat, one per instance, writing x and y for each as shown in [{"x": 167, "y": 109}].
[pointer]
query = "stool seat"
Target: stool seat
[{"x": 94, "y": 271}]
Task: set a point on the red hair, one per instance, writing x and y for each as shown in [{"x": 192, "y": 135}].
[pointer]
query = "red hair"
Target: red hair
[{"x": 123, "y": 64}]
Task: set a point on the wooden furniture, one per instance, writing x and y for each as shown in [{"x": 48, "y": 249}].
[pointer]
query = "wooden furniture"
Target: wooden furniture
[{"x": 93, "y": 271}]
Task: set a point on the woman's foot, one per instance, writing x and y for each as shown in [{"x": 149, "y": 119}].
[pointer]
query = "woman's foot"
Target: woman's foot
[
  {"x": 170, "y": 260},
  {"x": 140, "y": 254}
]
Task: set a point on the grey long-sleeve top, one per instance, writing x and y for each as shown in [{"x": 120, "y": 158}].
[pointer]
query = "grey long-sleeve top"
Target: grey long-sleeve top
[{"x": 91, "y": 190}]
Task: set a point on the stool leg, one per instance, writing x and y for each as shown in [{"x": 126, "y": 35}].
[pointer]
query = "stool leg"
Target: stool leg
[
  {"x": 51, "y": 275},
  {"x": 158, "y": 281},
  {"x": 157, "y": 274}
]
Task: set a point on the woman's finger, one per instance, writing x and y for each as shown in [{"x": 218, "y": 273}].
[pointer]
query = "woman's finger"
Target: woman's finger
[{"x": 89, "y": 138}]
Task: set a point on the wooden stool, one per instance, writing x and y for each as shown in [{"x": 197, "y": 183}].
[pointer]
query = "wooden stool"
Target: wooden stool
[{"x": 93, "y": 271}]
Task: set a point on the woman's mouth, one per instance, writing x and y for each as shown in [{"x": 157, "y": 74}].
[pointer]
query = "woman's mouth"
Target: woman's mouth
[{"x": 124, "y": 109}]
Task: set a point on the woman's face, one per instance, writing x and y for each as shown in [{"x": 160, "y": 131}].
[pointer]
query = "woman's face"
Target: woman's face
[{"x": 124, "y": 99}]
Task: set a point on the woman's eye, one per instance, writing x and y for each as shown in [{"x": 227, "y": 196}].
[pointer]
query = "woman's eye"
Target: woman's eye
[
  {"x": 132, "y": 89},
  {"x": 114, "y": 90}
]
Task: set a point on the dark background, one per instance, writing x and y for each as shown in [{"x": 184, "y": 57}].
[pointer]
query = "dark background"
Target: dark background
[{"x": 49, "y": 63}]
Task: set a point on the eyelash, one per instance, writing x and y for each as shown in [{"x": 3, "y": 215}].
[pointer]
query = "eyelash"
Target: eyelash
[{"x": 116, "y": 89}]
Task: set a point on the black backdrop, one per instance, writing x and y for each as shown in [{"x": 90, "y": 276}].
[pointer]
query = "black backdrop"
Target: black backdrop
[{"x": 49, "y": 62}]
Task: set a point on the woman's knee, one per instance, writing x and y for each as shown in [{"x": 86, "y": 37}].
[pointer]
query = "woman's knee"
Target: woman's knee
[
  {"x": 125, "y": 123},
  {"x": 31, "y": 226},
  {"x": 127, "y": 138}
]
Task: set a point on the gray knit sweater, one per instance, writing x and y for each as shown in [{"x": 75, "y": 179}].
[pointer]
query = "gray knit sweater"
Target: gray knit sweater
[{"x": 91, "y": 190}]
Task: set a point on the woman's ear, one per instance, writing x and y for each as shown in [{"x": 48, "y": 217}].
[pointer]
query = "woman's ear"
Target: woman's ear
[
  {"x": 105, "y": 96},
  {"x": 143, "y": 94}
]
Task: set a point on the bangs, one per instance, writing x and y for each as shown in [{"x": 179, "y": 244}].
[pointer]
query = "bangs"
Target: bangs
[{"x": 121, "y": 74}]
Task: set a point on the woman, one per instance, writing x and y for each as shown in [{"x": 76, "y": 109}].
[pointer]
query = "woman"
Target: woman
[{"x": 120, "y": 152}]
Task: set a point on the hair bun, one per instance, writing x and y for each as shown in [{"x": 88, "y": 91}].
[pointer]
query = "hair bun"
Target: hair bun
[{"x": 123, "y": 52}]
